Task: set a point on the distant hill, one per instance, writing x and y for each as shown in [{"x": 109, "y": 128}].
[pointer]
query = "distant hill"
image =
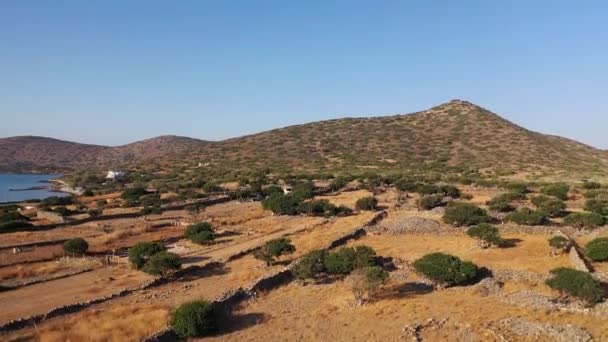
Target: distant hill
[
  {"x": 457, "y": 133},
  {"x": 41, "y": 154}
]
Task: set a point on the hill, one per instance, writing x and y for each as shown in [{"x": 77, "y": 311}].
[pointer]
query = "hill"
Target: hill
[
  {"x": 41, "y": 154},
  {"x": 454, "y": 134}
]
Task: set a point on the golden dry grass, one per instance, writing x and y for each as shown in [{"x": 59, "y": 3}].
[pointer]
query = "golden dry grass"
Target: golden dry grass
[{"x": 119, "y": 323}]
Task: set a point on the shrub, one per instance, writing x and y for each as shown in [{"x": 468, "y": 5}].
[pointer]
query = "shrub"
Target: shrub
[
  {"x": 338, "y": 183},
  {"x": 282, "y": 204},
  {"x": 549, "y": 205},
  {"x": 274, "y": 249},
  {"x": 486, "y": 232},
  {"x": 405, "y": 184},
  {"x": 367, "y": 203},
  {"x": 347, "y": 259},
  {"x": 446, "y": 269},
  {"x": 450, "y": 190},
  {"x": 57, "y": 200},
  {"x": 597, "y": 249},
  {"x": 317, "y": 208},
  {"x": 141, "y": 252},
  {"x": 528, "y": 217},
  {"x": 559, "y": 242},
  {"x": 152, "y": 210},
  {"x": 76, "y": 246},
  {"x": 429, "y": 202},
  {"x": 365, "y": 282},
  {"x": 160, "y": 264},
  {"x": 200, "y": 233},
  {"x": 464, "y": 214},
  {"x": 212, "y": 187},
  {"x": 502, "y": 202},
  {"x": 597, "y": 206},
  {"x": 559, "y": 190},
  {"x": 589, "y": 185},
  {"x": 302, "y": 191},
  {"x": 518, "y": 188},
  {"x": 585, "y": 220},
  {"x": 63, "y": 211},
  {"x": 310, "y": 265},
  {"x": 428, "y": 189},
  {"x": 576, "y": 283},
  {"x": 194, "y": 319},
  {"x": 133, "y": 194}
]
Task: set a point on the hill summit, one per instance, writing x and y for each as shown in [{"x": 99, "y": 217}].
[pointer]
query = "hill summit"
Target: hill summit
[{"x": 454, "y": 134}]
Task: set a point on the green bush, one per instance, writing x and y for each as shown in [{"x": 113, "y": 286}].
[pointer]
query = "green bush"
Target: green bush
[
  {"x": 577, "y": 284},
  {"x": 63, "y": 211},
  {"x": 429, "y": 202},
  {"x": 405, "y": 184},
  {"x": 302, "y": 191},
  {"x": 559, "y": 242},
  {"x": 450, "y": 191},
  {"x": 597, "y": 206},
  {"x": 589, "y": 185},
  {"x": 550, "y": 206},
  {"x": 317, "y": 208},
  {"x": 282, "y": 204},
  {"x": 446, "y": 269},
  {"x": 160, "y": 264},
  {"x": 464, "y": 214},
  {"x": 518, "y": 188},
  {"x": 338, "y": 183},
  {"x": 194, "y": 319},
  {"x": 310, "y": 265},
  {"x": 347, "y": 259},
  {"x": 133, "y": 194},
  {"x": 597, "y": 249},
  {"x": 212, "y": 187},
  {"x": 528, "y": 217},
  {"x": 428, "y": 189},
  {"x": 559, "y": 190},
  {"x": 274, "y": 249},
  {"x": 585, "y": 220},
  {"x": 487, "y": 233},
  {"x": 153, "y": 210},
  {"x": 367, "y": 203},
  {"x": 141, "y": 252},
  {"x": 200, "y": 233},
  {"x": 56, "y": 200},
  {"x": 502, "y": 202},
  {"x": 76, "y": 246}
]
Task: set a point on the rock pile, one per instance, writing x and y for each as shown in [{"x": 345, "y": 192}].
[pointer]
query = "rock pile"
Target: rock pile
[{"x": 536, "y": 330}]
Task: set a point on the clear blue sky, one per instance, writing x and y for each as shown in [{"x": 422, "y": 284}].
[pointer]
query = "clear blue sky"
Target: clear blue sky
[{"x": 112, "y": 72}]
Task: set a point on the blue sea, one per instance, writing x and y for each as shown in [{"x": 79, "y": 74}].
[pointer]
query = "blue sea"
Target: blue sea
[{"x": 24, "y": 181}]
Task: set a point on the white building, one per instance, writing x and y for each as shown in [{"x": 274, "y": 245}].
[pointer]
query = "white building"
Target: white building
[{"x": 114, "y": 175}]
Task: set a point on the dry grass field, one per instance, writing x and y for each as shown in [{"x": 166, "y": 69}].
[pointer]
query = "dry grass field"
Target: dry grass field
[{"x": 318, "y": 311}]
